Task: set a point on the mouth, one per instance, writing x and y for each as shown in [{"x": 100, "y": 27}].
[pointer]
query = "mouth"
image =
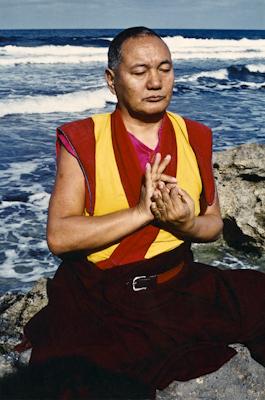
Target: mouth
[{"x": 154, "y": 99}]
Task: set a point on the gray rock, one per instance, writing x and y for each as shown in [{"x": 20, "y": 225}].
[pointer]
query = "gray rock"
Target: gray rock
[
  {"x": 240, "y": 379},
  {"x": 6, "y": 366},
  {"x": 240, "y": 176},
  {"x": 15, "y": 312}
]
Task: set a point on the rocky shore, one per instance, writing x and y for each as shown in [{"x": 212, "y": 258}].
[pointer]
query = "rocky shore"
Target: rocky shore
[{"x": 240, "y": 175}]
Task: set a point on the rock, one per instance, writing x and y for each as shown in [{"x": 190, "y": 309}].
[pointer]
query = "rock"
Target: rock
[
  {"x": 240, "y": 176},
  {"x": 6, "y": 366},
  {"x": 15, "y": 312},
  {"x": 241, "y": 378}
]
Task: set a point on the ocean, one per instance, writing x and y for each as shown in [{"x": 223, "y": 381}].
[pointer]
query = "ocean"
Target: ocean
[{"x": 48, "y": 77}]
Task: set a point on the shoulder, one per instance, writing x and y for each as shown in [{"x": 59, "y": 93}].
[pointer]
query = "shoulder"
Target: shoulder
[
  {"x": 86, "y": 124},
  {"x": 75, "y": 125},
  {"x": 190, "y": 123},
  {"x": 197, "y": 126},
  {"x": 200, "y": 139}
]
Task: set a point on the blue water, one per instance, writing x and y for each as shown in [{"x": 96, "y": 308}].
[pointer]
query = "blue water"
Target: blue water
[{"x": 48, "y": 77}]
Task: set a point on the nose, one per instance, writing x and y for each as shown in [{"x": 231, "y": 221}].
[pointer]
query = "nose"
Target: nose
[{"x": 154, "y": 80}]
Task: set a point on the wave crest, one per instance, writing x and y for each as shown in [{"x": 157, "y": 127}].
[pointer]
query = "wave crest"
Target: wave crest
[
  {"x": 180, "y": 47},
  {"x": 70, "y": 102}
]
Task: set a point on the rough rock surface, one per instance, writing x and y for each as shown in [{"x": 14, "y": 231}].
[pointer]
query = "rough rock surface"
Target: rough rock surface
[
  {"x": 240, "y": 379},
  {"x": 240, "y": 175},
  {"x": 16, "y": 310}
]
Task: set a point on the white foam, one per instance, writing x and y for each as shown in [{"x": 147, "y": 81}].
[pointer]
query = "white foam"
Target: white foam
[
  {"x": 35, "y": 269},
  {"x": 40, "y": 199},
  {"x": 235, "y": 85},
  {"x": 70, "y": 102},
  {"x": 252, "y": 85},
  {"x": 232, "y": 262},
  {"x": 181, "y": 48},
  {"x": 256, "y": 68},
  {"x": 13, "y": 55},
  {"x": 7, "y": 267},
  {"x": 220, "y": 74},
  {"x": 16, "y": 169},
  {"x": 215, "y": 74},
  {"x": 187, "y": 48},
  {"x": 52, "y": 50}
]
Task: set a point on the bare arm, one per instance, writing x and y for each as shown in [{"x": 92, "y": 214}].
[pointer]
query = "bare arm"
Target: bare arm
[
  {"x": 69, "y": 230},
  {"x": 174, "y": 208}
]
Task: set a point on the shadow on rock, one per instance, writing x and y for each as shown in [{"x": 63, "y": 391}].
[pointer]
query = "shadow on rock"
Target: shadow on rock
[{"x": 70, "y": 378}]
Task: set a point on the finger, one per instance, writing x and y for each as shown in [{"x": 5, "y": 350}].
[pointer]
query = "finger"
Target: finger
[
  {"x": 170, "y": 186},
  {"x": 157, "y": 193},
  {"x": 165, "y": 194},
  {"x": 156, "y": 163},
  {"x": 155, "y": 210},
  {"x": 164, "y": 163},
  {"x": 160, "y": 203},
  {"x": 175, "y": 195},
  {"x": 168, "y": 178}
]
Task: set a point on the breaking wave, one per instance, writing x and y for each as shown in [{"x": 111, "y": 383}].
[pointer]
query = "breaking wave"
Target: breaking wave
[
  {"x": 69, "y": 102},
  {"x": 13, "y": 55},
  {"x": 235, "y": 76},
  {"x": 181, "y": 48},
  {"x": 188, "y": 48}
]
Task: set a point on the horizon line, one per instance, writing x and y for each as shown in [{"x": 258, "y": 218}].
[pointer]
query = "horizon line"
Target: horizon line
[{"x": 160, "y": 28}]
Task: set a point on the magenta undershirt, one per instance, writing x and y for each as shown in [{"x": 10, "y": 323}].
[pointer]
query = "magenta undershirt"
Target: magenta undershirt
[{"x": 144, "y": 153}]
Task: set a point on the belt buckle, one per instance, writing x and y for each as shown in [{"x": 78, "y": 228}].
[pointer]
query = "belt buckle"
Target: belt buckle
[{"x": 134, "y": 283}]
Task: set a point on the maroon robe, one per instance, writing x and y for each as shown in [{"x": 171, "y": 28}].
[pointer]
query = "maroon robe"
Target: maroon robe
[{"x": 175, "y": 330}]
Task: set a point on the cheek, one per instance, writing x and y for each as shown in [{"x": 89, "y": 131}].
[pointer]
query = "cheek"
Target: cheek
[
  {"x": 134, "y": 91},
  {"x": 170, "y": 78},
  {"x": 170, "y": 85}
]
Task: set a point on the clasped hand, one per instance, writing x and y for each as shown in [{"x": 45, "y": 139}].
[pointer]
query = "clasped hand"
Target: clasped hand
[{"x": 163, "y": 199}]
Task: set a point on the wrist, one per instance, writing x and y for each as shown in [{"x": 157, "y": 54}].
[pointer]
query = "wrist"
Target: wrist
[
  {"x": 143, "y": 215},
  {"x": 186, "y": 227}
]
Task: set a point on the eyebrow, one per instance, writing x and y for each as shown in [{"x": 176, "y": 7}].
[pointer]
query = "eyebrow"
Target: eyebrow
[
  {"x": 166, "y": 62},
  {"x": 146, "y": 65}
]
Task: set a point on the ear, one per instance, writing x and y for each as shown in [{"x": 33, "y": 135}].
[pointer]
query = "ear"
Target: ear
[{"x": 110, "y": 78}]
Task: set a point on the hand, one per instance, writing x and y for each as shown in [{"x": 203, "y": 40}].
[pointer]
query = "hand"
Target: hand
[
  {"x": 173, "y": 205},
  {"x": 157, "y": 170},
  {"x": 153, "y": 175},
  {"x": 147, "y": 191}
]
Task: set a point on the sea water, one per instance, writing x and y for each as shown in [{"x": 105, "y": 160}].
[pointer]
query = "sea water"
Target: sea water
[{"x": 48, "y": 77}]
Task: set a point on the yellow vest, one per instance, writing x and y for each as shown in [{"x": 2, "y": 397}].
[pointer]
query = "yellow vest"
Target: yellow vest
[{"x": 110, "y": 195}]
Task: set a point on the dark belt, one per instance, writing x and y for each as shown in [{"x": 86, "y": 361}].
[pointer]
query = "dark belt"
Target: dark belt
[{"x": 143, "y": 282}]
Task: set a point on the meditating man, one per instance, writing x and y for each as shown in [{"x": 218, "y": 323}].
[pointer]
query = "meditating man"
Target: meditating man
[{"x": 133, "y": 189}]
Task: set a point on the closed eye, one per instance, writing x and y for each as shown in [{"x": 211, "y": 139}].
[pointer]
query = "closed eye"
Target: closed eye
[
  {"x": 165, "y": 66},
  {"x": 139, "y": 72},
  {"x": 165, "y": 69}
]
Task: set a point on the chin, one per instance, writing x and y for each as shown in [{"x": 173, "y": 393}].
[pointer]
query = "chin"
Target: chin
[
  {"x": 150, "y": 111},
  {"x": 155, "y": 109},
  {"x": 150, "y": 115}
]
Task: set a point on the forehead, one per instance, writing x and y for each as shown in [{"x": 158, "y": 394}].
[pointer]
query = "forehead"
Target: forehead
[{"x": 144, "y": 49}]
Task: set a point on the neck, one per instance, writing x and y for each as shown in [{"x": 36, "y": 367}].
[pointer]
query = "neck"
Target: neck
[{"x": 145, "y": 128}]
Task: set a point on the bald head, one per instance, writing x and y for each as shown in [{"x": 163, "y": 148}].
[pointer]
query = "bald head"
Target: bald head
[{"x": 115, "y": 48}]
